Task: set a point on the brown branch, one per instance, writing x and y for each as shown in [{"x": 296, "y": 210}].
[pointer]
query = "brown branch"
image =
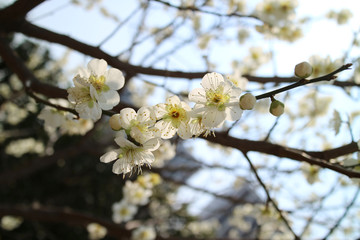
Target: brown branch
[
  {"x": 302, "y": 82},
  {"x": 18, "y": 10},
  {"x": 44, "y": 34},
  {"x": 262, "y": 184},
  {"x": 291, "y": 153},
  {"x": 348, "y": 207},
  {"x": 196, "y": 9},
  {"x": 65, "y": 216}
]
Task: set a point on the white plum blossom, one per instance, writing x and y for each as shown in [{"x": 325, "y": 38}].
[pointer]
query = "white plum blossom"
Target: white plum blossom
[
  {"x": 135, "y": 194},
  {"x": 54, "y": 118},
  {"x": 66, "y": 121},
  {"x": 165, "y": 152},
  {"x": 173, "y": 117},
  {"x": 130, "y": 155},
  {"x": 95, "y": 89},
  {"x": 217, "y": 101},
  {"x": 143, "y": 233},
  {"x": 139, "y": 125},
  {"x": 96, "y": 231},
  {"x": 123, "y": 211}
]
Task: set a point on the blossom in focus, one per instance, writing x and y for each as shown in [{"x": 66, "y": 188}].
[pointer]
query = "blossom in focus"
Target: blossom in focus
[
  {"x": 10, "y": 223},
  {"x": 135, "y": 194},
  {"x": 143, "y": 233},
  {"x": 139, "y": 125},
  {"x": 130, "y": 155},
  {"x": 95, "y": 89},
  {"x": 217, "y": 101},
  {"x": 173, "y": 117},
  {"x": 96, "y": 231},
  {"x": 123, "y": 211}
]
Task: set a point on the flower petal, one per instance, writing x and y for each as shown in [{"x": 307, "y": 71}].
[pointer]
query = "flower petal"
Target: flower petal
[
  {"x": 107, "y": 100},
  {"x": 114, "y": 79},
  {"x": 97, "y": 67},
  {"x": 213, "y": 118},
  {"x": 109, "y": 156},
  {"x": 166, "y": 129},
  {"x": 152, "y": 144},
  {"x": 126, "y": 116},
  {"x": 173, "y": 100},
  {"x": 146, "y": 115},
  {"x": 233, "y": 112},
  {"x": 184, "y": 131},
  {"x": 212, "y": 80},
  {"x": 198, "y": 95},
  {"x": 122, "y": 166}
]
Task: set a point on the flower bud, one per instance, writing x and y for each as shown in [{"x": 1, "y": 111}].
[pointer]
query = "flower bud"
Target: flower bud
[
  {"x": 114, "y": 122},
  {"x": 303, "y": 70},
  {"x": 247, "y": 101},
  {"x": 276, "y": 108}
]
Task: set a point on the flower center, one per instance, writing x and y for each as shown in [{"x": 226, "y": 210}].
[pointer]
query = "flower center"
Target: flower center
[
  {"x": 98, "y": 82},
  {"x": 176, "y": 114},
  {"x": 217, "y": 98}
]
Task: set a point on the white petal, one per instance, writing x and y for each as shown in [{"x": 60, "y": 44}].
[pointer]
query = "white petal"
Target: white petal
[
  {"x": 146, "y": 115},
  {"x": 86, "y": 112},
  {"x": 166, "y": 129},
  {"x": 121, "y": 166},
  {"x": 235, "y": 92},
  {"x": 109, "y": 156},
  {"x": 152, "y": 144},
  {"x": 160, "y": 110},
  {"x": 212, "y": 80},
  {"x": 97, "y": 66},
  {"x": 95, "y": 112},
  {"x": 114, "y": 79},
  {"x": 213, "y": 118},
  {"x": 233, "y": 113},
  {"x": 84, "y": 73},
  {"x": 123, "y": 142},
  {"x": 126, "y": 115},
  {"x": 107, "y": 100},
  {"x": 173, "y": 100},
  {"x": 184, "y": 131},
  {"x": 93, "y": 93},
  {"x": 197, "y": 95}
]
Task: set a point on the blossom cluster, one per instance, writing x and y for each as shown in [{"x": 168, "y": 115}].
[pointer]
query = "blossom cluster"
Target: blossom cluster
[
  {"x": 139, "y": 134},
  {"x": 136, "y": 194}
]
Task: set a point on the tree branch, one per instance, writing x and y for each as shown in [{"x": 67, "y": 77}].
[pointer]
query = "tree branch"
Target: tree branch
[
  {"x": 268, "y": 195},
  {"x": 18, "y": 10},
  {"x": 65, "y": 216},
  {"x": 302, "y": 82}
]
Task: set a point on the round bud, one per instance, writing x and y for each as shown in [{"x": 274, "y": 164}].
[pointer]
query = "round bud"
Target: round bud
[
  {"x": 247, "y": 101},
  {"x": 114, "y": 122},
  {"x": 303, "y": 70},
  {"x": 276, "y": 108}
]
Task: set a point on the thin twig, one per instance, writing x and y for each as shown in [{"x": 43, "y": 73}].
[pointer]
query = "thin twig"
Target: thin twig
[
  {"x": 303, "y": 82},
  {"x": 268, "y": 195},
  {"x": 195, "y": 9},
  {"x": 348, "y": 207}
]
